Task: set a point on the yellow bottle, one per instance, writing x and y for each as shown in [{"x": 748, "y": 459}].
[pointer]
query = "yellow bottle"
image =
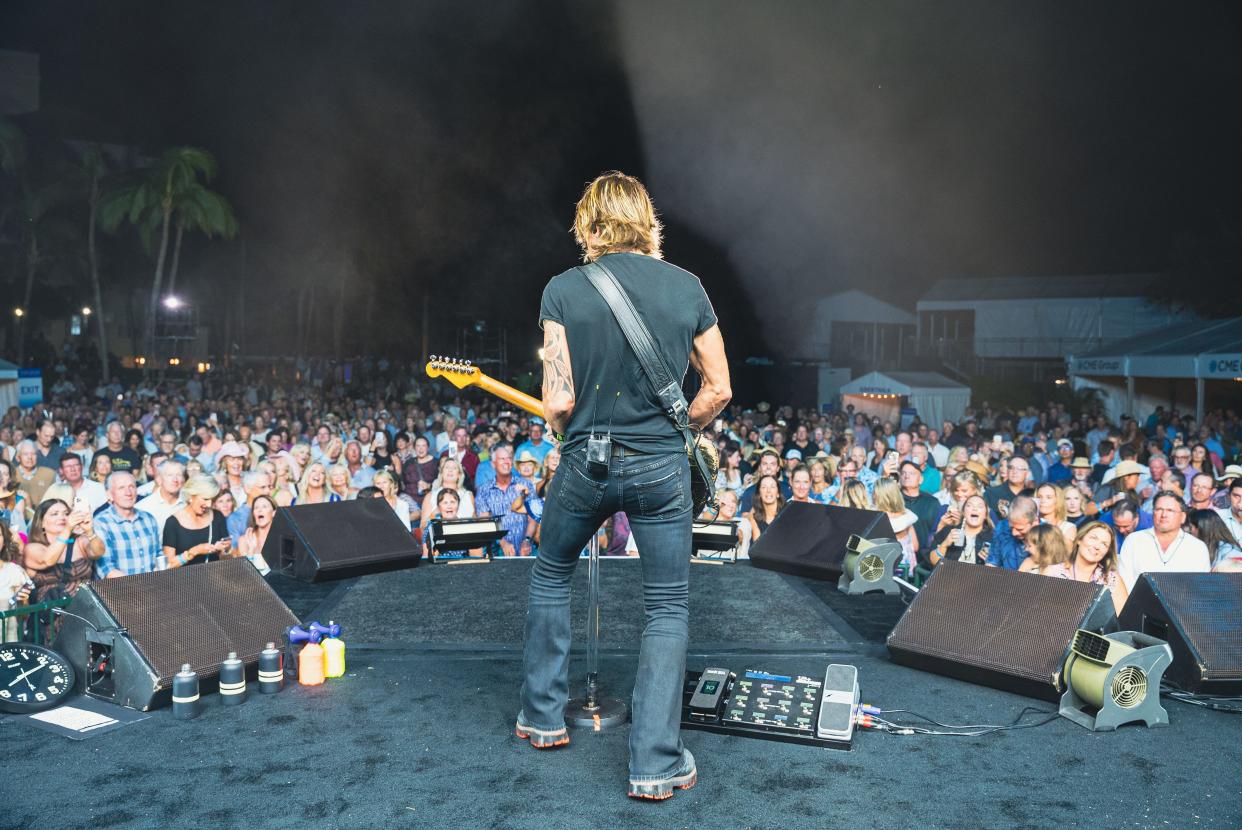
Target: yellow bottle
[{"x": 334, "y": 657}]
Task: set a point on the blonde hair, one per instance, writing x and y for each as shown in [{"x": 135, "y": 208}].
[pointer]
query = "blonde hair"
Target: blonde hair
[
  {"x": 444, "y": 465},
  {"x": 854, "y": 494},
  {"x": 204, "y": 487},
  {"x": 304, "y": 481},
  {"x": 339, "y": 470},
  {"x": 386, "y": 475},
  {"x": 887, "y": 496},
  {"x": 617, "y": 211},
  {"x": 1050, "y": 546},
  {"x": 1058, "y": 505}
]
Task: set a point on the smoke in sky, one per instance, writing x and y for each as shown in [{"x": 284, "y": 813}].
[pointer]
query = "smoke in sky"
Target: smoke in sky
[{"x": 881, "y": 146}]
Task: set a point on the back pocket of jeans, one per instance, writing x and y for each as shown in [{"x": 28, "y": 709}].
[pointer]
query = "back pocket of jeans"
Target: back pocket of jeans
[
  {"x": 665, "y": 496},
  {"x": 577, "y": 491}
]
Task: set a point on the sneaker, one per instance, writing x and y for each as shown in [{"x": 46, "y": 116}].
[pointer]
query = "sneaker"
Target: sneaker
[
  {"x": 685, "y": 778},
  {"x": 541, "y": 738}
]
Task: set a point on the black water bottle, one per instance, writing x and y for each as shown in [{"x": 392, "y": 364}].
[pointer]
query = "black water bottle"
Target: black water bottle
[
  {"x": 232, "y": 681},
  {"x": 186, "y": 705},
  {"x": 271, "y": 670}
]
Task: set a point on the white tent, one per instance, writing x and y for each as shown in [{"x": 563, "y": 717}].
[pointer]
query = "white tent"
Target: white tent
[
  {"x": 935, "y": 397},
  {"x": 8, "y": 385},
  {"x": 1179, "y": 365}
]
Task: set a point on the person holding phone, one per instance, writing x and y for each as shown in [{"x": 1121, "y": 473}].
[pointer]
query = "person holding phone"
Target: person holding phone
[
  {"x": 196, "y": 533},
  {"x": 967, "y": 541}
]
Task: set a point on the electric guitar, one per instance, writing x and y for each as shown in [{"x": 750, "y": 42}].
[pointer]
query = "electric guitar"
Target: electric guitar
[{"x": 461, "y": 373}]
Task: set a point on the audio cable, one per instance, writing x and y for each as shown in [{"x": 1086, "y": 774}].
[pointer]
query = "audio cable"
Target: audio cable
[{"x": 872, "y": 717}]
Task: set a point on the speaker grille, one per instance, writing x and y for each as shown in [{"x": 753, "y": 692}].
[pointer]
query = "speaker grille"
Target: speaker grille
[
  {"x": 994, "y": 626},
  {"x": 1208, "y": 608},
  {"x": 197, "y": 615}
]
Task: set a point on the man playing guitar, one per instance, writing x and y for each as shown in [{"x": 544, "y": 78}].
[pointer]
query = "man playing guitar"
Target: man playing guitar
[{"x": 594, "y": 388}]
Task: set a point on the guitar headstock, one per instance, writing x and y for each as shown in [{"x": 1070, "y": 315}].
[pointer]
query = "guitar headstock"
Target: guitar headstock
[{"x": 455, "y": 370}]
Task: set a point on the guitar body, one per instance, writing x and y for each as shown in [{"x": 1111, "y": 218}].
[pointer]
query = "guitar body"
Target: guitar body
[{"x": 704, "y": 457}]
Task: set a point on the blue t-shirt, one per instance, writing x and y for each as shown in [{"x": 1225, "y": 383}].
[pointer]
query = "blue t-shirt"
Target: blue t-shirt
[{"x": 540, "y": 450}]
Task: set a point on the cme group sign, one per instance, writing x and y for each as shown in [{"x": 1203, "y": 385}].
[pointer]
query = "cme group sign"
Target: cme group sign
[
  {"x": 1225, "y": 365},
  {"x": 1099, "y": 366}
]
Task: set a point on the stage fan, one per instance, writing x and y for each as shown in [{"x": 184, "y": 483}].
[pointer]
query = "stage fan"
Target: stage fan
[
  {"x": 1114, "y": 679},
  {"x": 868, "y": 566}
]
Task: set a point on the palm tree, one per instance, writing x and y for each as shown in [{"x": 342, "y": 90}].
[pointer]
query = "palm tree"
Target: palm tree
[
  {"x": 40, "y": 233},
  {"x": 94, "y": 167},
  {"x": 150, "y": 203},
  {"x": 202, "y": 210}
]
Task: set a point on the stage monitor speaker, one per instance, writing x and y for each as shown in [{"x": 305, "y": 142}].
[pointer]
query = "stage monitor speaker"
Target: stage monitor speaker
[
  {"x": 129, "y": 636},
  {"x": 999, "y": 627},
  {"x": 338, "y": 540},
  {"x": 810, "y": 539},
  {"x": 1200, "y": 617}
]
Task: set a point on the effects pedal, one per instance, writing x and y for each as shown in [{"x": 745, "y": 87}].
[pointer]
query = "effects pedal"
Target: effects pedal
[
  {"x": 836, "y": 708},
  {"x": 709, "y": 695}
]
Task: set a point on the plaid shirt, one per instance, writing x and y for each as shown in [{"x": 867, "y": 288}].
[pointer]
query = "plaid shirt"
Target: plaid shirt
[
  {"x": 498, "y": 503},
  {"x": 132, "y": 546}
]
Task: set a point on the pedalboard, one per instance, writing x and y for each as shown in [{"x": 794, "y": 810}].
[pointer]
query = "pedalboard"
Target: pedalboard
[{"x": 791, "y": 708}]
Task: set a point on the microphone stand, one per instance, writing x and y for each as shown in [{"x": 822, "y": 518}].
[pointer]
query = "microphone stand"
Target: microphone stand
[{"x": 594, "y": 710}]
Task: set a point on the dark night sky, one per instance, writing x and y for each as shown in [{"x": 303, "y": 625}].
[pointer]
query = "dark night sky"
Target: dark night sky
[{"x": 793, "y": 148}]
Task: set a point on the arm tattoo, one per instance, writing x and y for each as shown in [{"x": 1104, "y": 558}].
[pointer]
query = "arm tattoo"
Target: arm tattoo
[{"x": 558, "y": 378}]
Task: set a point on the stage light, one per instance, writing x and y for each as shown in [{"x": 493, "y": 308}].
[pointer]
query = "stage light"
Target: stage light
[
  {"x": 86, "y": 311},
  {"x": 174, "y": 361},
  {"x": 140, "y": 360},
  {"x": 19, "y": 312},
  {"x": 172, "y": 302}
]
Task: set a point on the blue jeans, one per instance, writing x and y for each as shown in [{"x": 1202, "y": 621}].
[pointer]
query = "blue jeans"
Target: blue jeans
[{"x": 654, "y": 491}]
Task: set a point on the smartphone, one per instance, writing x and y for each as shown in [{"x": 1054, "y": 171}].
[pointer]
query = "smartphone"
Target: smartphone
[
  {"x": 892, "y": 455},
  {"x": 997, "y": 438},
  {"x": 720, "y": 425}
]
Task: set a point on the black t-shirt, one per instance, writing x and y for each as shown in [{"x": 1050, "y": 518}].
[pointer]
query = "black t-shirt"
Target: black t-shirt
[
  {"x": 123, "y": 459},
  {"x": 925, "y": 507},
  {"x": 675, "y": 308},
  {"x": 181, "y": 538}
]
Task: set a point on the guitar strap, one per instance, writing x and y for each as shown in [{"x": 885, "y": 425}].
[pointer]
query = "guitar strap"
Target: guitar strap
[{"x": 667, "y": 387}]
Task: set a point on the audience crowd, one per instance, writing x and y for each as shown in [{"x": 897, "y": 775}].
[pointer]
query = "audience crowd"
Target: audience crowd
[{"x": 113, "y": 479}]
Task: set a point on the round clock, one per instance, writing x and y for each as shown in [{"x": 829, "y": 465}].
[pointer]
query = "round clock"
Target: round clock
[{"x": 32, "y": 678}]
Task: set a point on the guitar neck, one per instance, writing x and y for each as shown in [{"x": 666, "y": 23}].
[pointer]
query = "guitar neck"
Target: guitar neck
[{"x": 514, "y": 396}]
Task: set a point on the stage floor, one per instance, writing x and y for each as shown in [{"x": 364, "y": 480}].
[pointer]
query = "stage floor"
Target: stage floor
[{"x": 419, "y": 732}]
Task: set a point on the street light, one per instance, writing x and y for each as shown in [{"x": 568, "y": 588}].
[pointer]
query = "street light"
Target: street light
[
  {"x": 172, "y": 302},
  {"x": 19, "y": 312},
  {"x": 86, "y": 311}
]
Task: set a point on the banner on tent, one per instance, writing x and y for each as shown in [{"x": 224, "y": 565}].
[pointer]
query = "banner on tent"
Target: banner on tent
[{"x": 1222, "y": 366}]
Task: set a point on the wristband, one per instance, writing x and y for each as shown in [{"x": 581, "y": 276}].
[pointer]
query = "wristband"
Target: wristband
[{"x": 182, "y": 560}]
